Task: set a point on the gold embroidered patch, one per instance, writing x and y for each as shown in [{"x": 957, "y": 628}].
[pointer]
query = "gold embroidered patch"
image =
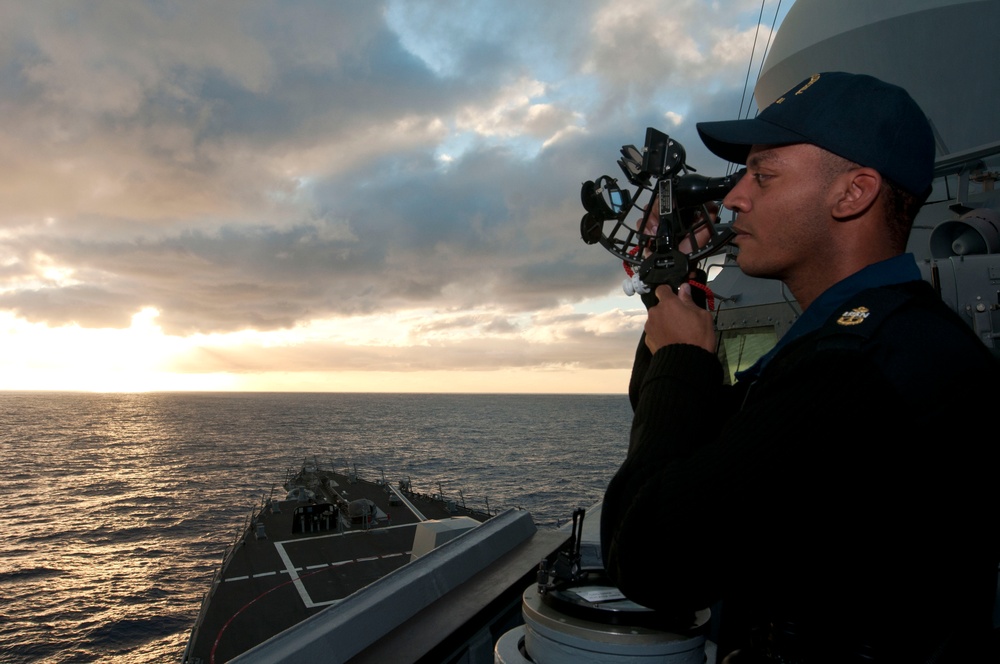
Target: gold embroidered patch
[
  {"x": 812, "y": 79},
  {"x": 854, "y": 316}
]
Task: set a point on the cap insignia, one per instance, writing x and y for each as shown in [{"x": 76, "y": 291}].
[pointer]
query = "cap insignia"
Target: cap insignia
[{"x": 812, "y": 79}]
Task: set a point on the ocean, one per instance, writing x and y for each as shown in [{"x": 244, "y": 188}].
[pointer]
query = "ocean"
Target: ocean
[{"x": 116, "y": 508}]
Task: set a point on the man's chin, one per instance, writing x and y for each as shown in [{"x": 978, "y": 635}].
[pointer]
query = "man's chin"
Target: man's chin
[{"x": 749, "y": 268}]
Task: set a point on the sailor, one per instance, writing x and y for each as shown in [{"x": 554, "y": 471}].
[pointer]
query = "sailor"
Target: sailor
[{"x": 835, "y": 504}]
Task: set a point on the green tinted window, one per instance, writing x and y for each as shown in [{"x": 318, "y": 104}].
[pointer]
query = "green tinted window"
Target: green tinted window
[{"x": 740, "y": 348}]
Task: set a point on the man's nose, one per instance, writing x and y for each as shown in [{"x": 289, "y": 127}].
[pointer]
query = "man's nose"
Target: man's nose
[{"x": 737, "y": 199}]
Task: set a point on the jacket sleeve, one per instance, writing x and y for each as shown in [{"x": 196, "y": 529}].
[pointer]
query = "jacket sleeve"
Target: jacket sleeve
[
  {"x": 671, "y": 392},
  {"x": 639, "y": 367},
  {"x": 682, "y": 518}
]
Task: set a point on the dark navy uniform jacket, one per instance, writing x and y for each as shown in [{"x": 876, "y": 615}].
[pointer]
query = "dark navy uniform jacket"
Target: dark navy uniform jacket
[{"x": 844, "y": 484}]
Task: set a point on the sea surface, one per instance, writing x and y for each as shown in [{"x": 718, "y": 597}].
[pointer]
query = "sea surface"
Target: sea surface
[{"x": 115, "y": 509}]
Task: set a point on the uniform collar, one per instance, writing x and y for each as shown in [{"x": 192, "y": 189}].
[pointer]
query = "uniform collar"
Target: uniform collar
[{"x": 896, "y": 270}]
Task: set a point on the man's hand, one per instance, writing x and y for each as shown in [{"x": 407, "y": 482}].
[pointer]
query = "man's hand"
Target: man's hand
[{"x": 676, "y": 319}]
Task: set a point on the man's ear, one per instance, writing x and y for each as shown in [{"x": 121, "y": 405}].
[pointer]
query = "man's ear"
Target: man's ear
[{"x": 855, "y": 192}]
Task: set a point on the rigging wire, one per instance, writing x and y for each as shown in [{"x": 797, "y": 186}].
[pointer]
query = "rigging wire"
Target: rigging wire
[
  {"x": 746, "y": 82},
  {"x": 763, "y": 56},
  {"x": 767, "y": 46}
]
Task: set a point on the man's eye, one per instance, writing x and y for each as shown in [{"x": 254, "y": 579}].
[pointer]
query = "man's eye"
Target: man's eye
[{"x": 760, "y": 178}]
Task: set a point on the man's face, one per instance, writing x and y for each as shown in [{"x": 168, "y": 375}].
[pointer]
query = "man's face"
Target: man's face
[{"x": 782, "y": 221}]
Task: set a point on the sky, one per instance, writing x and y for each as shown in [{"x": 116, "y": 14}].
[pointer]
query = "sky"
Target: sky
[{"x": 337, "y": 196}]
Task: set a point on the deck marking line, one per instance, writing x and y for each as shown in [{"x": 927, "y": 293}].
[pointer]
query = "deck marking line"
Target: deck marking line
[
  {"x": 336, "y": 563},
  {"x": 293, "y": 573},
  {"x": 359, "y": 531},
  {"x": 412, "y": 507},
  {"x": 218, "y": 636}
]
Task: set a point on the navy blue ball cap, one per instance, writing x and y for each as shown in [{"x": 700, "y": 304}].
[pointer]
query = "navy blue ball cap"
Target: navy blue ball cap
[{"x": 858, "y": 117}]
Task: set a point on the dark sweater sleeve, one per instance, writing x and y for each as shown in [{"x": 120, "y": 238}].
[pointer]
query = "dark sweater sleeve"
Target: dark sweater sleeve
[
  {"x": 681, "y": 519},
  {"x": 672, "y": 395},
  {"x": 639, "y": 367}
]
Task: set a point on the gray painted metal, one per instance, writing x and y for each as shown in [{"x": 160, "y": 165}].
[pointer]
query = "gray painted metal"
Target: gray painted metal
[
  {"x": 939, "y": 50},
  {"x": 339, "y": 633}
]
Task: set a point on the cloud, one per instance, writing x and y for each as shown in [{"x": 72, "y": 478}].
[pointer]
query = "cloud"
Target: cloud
[{"x": 253, "y": 166}]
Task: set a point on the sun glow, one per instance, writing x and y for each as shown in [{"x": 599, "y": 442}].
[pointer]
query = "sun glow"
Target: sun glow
[
  {"x": 414, "y": 351},
  {"x": 135, "y": 359}
]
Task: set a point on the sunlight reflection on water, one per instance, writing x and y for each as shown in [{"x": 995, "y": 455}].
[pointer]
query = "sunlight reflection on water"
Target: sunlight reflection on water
[{"x": 117, "y": 508}]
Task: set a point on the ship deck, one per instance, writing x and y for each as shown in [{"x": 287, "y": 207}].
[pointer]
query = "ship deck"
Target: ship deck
[{"x": 276, "y": 575}]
